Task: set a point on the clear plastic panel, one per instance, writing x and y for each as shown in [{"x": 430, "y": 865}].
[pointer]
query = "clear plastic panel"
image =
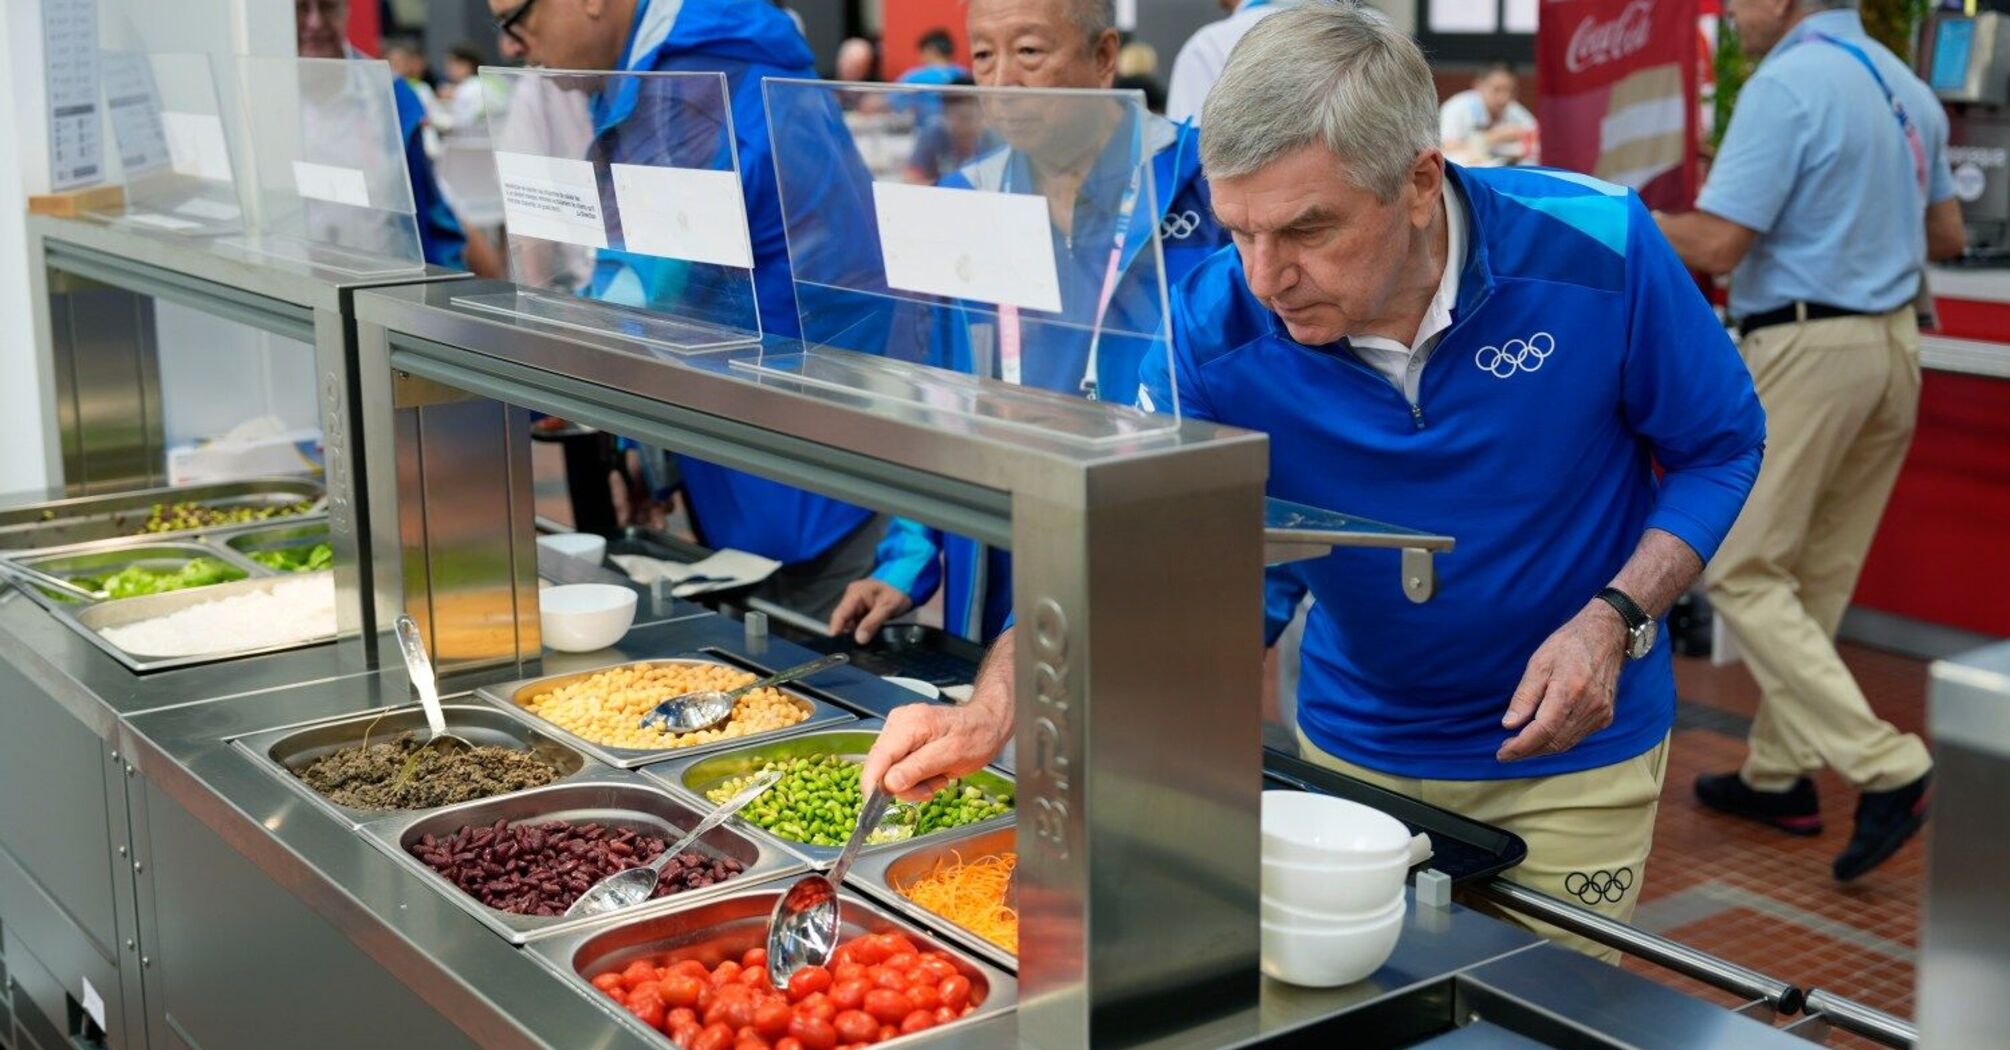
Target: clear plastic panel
[
  {"x": 327, "y": 157},
  {"x": 172, "y": 144},
  {"x": 1009, "y": 235},
  {"x": 622, "y": 201}
]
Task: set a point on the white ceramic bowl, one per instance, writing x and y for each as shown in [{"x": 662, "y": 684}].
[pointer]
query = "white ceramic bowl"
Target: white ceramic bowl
[
  {"x": 582, "y": 617},
  {"x": 585, "y": 546},
  {"x": 1332, "y": 889},
  {"x": 1332, "y": 956},
  {"x": 1301, "y": 827},
  {"x": 1285, "y": 915}
]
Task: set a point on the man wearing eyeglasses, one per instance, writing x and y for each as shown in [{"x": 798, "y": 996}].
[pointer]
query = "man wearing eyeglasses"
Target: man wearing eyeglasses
[{"x": 822, "y": 544}]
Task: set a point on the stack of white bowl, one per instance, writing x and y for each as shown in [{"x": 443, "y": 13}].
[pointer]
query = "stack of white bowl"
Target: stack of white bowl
[{"x": 1332, "y": 888}]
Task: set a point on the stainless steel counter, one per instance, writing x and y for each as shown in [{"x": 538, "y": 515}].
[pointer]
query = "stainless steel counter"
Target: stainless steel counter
[{"x": 328, "y": 892}]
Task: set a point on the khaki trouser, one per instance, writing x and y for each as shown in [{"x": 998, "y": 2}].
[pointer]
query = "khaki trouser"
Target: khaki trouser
[
  {"x": 1841, "y": 398},
  {"x": 1588, "y": 833}
]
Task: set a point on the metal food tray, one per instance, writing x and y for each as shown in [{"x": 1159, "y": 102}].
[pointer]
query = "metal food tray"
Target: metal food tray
[
  {"x": 89, "y": 619},
  {"x": 694, "y": 775},
  {"x": 612, "y": 797},
  {"x": 284, "y": 534},
  {"x": 286, "y": 750},
  {"x": 1462, "y": 848},
  {"x": 506, "y": 696},
  {"x": 882, "y": 874},
  {"x": 62, "y": 522},
  {"x": 56, "y": 568},
  {"x": 726, "y": 927}
]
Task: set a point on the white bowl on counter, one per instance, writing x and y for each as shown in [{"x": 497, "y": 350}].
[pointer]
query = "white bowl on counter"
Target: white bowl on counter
[
  {"x": 1332, "y": 955},
  {"x": 585, "y": 546},
  {"x": 1303, "y": 827},
  {"x": 1335, "y": 889},
  {"x": 584, "y": 617}
]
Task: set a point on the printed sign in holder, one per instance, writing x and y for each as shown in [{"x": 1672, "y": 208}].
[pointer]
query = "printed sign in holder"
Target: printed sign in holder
[
  {"x": 328, "y": 173},
  {"x": 169, "y": 131},
  {"x": 1008, "y": 270},
  {"x": 623, "y": 205}
]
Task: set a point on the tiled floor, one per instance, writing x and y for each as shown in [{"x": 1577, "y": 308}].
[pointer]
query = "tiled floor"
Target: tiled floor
[{"x": 1765, "y": 899}]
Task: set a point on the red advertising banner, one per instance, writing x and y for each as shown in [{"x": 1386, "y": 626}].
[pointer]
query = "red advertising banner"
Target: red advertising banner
[{"x": 1616, "y": 93}]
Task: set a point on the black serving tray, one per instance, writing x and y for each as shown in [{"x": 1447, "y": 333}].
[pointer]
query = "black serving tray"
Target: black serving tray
[
  {"x": 1462, "y": 848},
  {"x": 908, "y": 650}
]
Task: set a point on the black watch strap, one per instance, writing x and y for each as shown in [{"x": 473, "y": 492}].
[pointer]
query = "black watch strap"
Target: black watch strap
[{"x": 1628, "y": 609}]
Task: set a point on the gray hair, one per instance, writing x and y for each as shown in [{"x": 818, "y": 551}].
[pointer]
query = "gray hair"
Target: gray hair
[
  {"x": 1093, "y": 17},
  {"x": 1328, "y": 73}
]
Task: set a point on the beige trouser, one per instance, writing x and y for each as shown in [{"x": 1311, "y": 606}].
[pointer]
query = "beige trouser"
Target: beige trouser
[
  {"x": 1588, "y": 833},
  {"x": 1841, "y": 398}
]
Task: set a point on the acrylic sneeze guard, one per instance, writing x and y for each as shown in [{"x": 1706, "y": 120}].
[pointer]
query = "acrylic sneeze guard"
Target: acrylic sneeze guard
[
  {"x": 988, "y": 252},
  {"x": 623, "y": 204},
  {"x": 170, "y": 134}
]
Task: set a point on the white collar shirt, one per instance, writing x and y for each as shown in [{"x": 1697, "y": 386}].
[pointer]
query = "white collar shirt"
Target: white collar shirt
[{"x": 1404, "y": 365}]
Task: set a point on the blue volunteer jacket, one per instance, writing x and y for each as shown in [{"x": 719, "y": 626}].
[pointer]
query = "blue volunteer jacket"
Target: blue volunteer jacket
[
  {"x": 748, "y": 41},
  {"x": 1580, "y": 354},
  {"x": 440, "y": 236},
  {"x": 917, "y": 558}
]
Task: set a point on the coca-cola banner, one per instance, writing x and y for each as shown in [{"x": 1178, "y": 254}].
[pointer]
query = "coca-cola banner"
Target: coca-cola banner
[{"x": 1616, "y": 93}]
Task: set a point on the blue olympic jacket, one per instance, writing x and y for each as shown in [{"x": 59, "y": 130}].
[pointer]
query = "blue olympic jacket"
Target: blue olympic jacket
[
  {"x": 440, "y": 236},
  {"x": 1580, "y": 355},
  {"x": 748, "y": 42},
  {"x": 917, "y": 558}
]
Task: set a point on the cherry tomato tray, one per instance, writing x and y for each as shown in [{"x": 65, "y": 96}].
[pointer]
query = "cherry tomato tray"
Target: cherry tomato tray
[
  {"x": 727, "y": 927},
  {"x": 693, "y": 776},
  {"x": 614, "y": 798}
]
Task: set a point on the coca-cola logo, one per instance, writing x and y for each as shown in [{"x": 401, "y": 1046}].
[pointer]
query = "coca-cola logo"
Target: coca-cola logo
[{"x": 1596, "y": 43}]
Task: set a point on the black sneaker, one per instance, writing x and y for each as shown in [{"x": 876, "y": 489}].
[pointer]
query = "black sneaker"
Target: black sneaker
[
  {"x": 1884, "y": 821},
  {"x": 1795, "y": 811}
]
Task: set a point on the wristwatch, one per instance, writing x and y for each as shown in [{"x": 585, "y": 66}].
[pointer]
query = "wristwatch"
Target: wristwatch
[{"x": 1640, "y": 627}]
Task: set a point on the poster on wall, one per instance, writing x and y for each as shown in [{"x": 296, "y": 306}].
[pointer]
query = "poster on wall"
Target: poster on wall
[{"x": 1616, "y": 86}]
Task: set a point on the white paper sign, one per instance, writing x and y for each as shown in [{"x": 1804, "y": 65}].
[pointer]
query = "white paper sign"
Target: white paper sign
[
  {"x": 215, "y": 211},
  {"x": 165, "y": 222},
  {"x": 551, "y": 199},
  {"x": 332, "y": 183},
  {"x": 196, "y": 146},
  {"x": 135, "y": 105},
  {"x": 683, "y": 213},
  {"x": 70, "y": 79},
  {"x": 94, "y": 1004},
  {"x": 968, "y": 244}
]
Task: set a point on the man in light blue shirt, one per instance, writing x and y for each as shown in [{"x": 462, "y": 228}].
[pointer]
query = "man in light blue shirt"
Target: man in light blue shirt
[{"x": 1830, "y": 193}]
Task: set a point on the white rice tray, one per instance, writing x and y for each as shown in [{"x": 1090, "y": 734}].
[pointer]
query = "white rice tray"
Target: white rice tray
[{"x": 290, "y": 612}]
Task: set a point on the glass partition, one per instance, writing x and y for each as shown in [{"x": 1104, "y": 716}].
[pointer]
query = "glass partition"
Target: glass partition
[
  {"x": 622, "y": 203},
  {"x": 169, "y": 130},
  {"x": 1006, "y": 235},
  {"x": 327, "y": 159}
]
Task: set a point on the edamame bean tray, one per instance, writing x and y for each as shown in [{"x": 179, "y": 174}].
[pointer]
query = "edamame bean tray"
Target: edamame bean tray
[
  {"x": 600, "y": 711},
  {"x": 819, "y": 794}
]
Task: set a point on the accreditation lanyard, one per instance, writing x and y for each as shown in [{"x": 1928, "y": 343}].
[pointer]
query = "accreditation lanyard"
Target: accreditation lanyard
[
  {"x": 1913, "y": 140},
  {"x": 1009, "y": 337}
]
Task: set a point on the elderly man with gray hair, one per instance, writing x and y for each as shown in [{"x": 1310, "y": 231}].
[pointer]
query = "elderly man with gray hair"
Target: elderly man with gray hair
[
  {"x": 1830, "y": 193},
  {"x": 1501, "y": 355}
]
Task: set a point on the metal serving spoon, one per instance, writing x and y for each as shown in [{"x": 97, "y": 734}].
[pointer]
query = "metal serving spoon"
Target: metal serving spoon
[
  {"x": 709, "y": 707},
  {"x": 803, "y": 931},
  {"x": 420, "y": 669},
  {"x": 632, "y": 886}
]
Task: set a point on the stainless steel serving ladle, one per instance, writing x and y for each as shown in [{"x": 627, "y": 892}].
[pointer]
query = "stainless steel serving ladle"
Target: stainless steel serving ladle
[
  {"x": 803, "y": 931},
  {"x": 420, "y": 670},
  {"x": 708, "y": 707},
  {"x": 632, "y": 886}
]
